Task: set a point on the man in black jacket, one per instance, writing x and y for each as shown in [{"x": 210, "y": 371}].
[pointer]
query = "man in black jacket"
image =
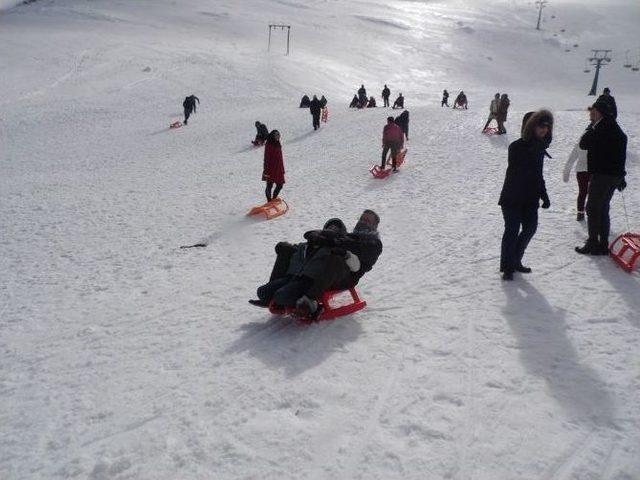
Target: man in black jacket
[
  {"x": 606, "y": 146},
  {"x": 338, "y": 264},
  {"x": 315, "y": 107},
  {"x": 362, "y": 97},
  {"x": 523, "y": 188},
  {"x": 189, "y": 106}
]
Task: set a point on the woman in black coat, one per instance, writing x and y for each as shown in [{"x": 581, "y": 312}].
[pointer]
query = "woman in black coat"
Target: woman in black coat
[{"x": 523, "y": 188}]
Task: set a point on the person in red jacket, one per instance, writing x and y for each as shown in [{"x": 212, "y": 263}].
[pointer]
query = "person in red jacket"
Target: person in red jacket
[
  {"x": 273, "y": 170},
  {"x": 392, "y": 139}
]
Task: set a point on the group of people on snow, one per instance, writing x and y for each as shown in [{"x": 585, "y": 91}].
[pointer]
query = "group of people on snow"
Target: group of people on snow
[
  {"x": 360, "y": 99},
  {"x": 600, "y": 156},
  {"x": 459, "y": 102}
]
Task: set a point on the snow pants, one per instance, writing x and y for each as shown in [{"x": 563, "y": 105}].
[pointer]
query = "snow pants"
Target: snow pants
[
  {"x": 520, "y": 224},
  {"x": 601, "y": 189},
  {"x": 583, "y": 187}
]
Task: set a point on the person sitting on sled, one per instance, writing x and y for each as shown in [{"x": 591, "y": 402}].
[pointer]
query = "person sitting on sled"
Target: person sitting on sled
[
  {"x": 372, "y": 102},
  {"x": 399, "y": 103},
  {"x": 290, "y": 260},
  {"x": 262, "y": 133},
  {"x": 338, "y": 264},
  {"x": 354, "y": 102},
  {"x": 460, "y": 101}
]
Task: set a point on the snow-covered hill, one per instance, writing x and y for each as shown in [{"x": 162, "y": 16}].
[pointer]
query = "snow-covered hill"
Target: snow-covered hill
[{"x": 123, "y": 356}]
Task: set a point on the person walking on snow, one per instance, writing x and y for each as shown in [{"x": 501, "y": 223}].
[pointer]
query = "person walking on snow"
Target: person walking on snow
[
  {"x": 189, "y": 106},
  {"x": 493, "y": 110},
  {"x": 578, "y": 157},
  {"x": 402, "y": 121},
  {"x": 386, "y": 93},
  {"x": 503, "y": 107},
  {"x": 392, "y": 139},
  {"x": 273, "y": 165},
  {"x": 315, "y": 108},
  {"x": 606, "y": 146},
  {"x": 445, "y": 98},
  {"x": 523, "y": 188}
]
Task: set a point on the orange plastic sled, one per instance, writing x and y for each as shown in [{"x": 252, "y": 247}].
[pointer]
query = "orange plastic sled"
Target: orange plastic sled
[
  {"x": 272, "y": 209},
  {"x": 625, "y": 250},
  {"x": 378, "y": 172}
]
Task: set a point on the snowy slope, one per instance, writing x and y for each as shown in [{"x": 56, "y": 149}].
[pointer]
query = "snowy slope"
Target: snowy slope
[{"x": 123, "y": 356}]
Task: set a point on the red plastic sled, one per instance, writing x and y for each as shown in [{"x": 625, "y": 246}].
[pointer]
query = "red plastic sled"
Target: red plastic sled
[
  {"x": 175, "y": 125},
  {"x": 325, "y": 115},
  {"x": 625, "y": 250},
  {"x": 272, "y": 209},
  {"x": 378, "y": 172},
  {"x": 490, "y": 131},
  {"x": 331, "y": 305}
]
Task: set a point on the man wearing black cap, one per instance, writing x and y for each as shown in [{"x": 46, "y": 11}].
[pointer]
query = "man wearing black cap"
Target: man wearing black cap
[
  {"x": 606, "y": 146},
  {"x": 610, "y": 101}
]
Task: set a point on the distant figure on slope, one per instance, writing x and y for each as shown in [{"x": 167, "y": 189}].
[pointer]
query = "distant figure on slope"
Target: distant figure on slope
[
  {"x": 503, "y": 108},
  {"x": 402, "y": 121},
  {"x": 399, "y": 103},
  {"x": 362, "y": 96},
  {"x": 578, "y": 157},
  {"x": 392, "y": 139},
  {"x": 262, "y": 133},
  {"x": 460, "y": 101},
  {"x": 445, "y": 98},
  {"x": 523, "y": 188},
  {"x": 354, "y": 102},
  {"x": 372, "y": 102},
  {"x": 386, "y": 93},
  {"x": 493, "y": 110},
  {"x": 304, "y": 102},
  {"x": 610, "y": 101},
  {"x": 315, "y": 108},
  {"x": 273, "y": 166},
  {"x": 289, "y": 263},
  {"x": 189, "y": 106}
]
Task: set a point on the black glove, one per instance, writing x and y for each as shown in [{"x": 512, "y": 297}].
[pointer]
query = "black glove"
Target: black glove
[
  {"x": 622, "y": 185},
  {"x": 546, "y": 203},
  {"x": 282, "y": 247}
]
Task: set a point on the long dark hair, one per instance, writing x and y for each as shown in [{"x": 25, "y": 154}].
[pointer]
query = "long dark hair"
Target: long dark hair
[{"x": 271, "y": 138}]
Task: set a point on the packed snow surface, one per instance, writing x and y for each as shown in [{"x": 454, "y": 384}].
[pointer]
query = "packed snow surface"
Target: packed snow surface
[{"x": 123, "y": 356}]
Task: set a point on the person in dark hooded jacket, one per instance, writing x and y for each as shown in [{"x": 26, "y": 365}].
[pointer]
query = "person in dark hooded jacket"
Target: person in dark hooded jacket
[
  {"x": 402, "y": 121},
  {"x": 386, "y": 93},
  {"x": 372, "y": 102},
  {"x": 323, "y": 102},
  {"x": 523, "y": 188},
  {"x": 189, "y": 106},
  {"x": 315, "y": 108},
  {"x": 607, "y": 98},
  {"x": 338, "y": 264},
  {"x": 445, "y": 98},
  {"x": 354, "y": 102},
  {"x": 362, "y": 97},
  {"x": 290, "y": 260}
]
